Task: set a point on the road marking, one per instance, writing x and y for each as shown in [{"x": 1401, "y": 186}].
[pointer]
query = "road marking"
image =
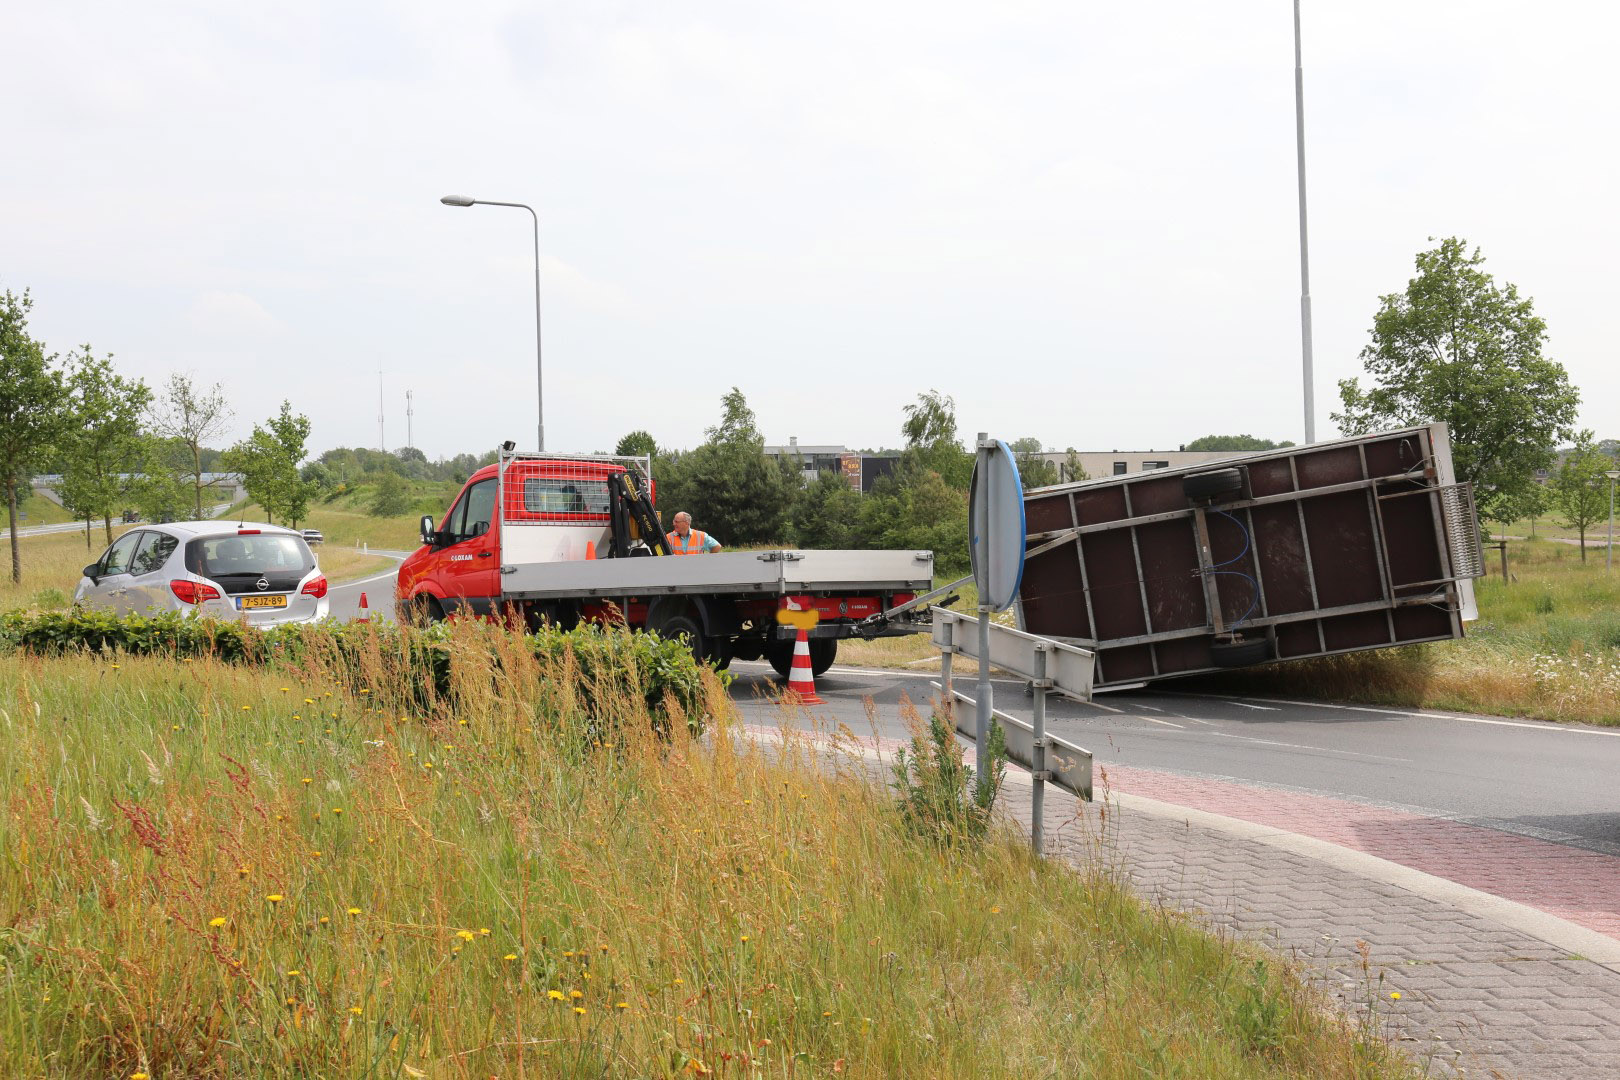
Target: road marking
[
  {"x": 1166, "y": 723},
  {"x": 1302, "y": 746},
  {"x": 1545, "y": 725},
  {"x": 1265, "y": 708}
]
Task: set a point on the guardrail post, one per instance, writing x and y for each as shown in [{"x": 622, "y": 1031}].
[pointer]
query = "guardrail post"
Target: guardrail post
[
  {"x": 948, "y": 625},
  {"x": 1037, "y": 757}
]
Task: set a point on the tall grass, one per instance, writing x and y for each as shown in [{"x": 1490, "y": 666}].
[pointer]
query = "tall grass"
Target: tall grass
[
  {"x": 208, "y": 870},
  {"x": 51, "y": 565}
]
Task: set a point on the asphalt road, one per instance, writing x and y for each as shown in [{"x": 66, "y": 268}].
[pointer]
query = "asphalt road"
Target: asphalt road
[{"x": 1557, "y": 782}]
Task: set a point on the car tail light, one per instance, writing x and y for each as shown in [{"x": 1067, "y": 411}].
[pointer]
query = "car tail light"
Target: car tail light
[
  {"x": 316, "y": 588},
  {"x": 193, "y": 592},
  {"x": 247, "y": 532}
]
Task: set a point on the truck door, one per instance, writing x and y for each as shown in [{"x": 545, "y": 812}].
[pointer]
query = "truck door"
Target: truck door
[{"x": 471, "y": 561}]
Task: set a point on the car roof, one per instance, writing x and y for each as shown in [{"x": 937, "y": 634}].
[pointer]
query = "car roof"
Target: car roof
[{"x": 191, "y": 529}]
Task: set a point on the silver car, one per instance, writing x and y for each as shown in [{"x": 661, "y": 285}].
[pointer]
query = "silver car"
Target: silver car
[{"x": 263, "y": 573}]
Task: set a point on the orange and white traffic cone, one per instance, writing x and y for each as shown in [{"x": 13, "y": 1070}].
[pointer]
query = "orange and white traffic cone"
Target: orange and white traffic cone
[
  {"x": 365, "y": 609},
  {"x": 802, "y": 678}
]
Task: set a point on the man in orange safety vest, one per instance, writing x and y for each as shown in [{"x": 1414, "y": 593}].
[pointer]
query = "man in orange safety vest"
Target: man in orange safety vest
[{"x": 686, "y": 540}]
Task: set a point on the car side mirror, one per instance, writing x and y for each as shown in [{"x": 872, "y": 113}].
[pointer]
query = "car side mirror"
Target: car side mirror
[
  {"x": 93, "y": 572},
  {"x": 480, "y": 528},
  {"x": 430, "y": 536}
]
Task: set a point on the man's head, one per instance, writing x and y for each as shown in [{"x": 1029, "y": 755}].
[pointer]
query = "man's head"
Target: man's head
[{"x": 683, "y": 523}]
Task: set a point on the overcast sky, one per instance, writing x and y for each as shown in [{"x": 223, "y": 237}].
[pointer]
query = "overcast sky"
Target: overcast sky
[{"x": 1078, "y": 219}]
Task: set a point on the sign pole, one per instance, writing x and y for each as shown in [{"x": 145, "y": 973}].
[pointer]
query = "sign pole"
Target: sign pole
[{"x": 981, "y": 538}]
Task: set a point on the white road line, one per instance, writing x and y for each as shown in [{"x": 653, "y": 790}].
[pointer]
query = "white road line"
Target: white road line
[
  {"x": 1149, "y": 708},
  {"x": 1166, "y": 723},
  {"x": 1302, "y": 746},
  {"x": 1546, "y": 725},
  {"x": 1263, "y": 708}
]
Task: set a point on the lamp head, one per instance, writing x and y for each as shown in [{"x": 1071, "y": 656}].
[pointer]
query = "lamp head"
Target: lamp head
[
  {"x": 1614, "y": 474},
  {"x": 458, "y": 200}
]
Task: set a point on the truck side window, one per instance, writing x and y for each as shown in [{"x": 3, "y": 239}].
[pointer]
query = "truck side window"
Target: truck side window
[{"x": 479, "y": 507}]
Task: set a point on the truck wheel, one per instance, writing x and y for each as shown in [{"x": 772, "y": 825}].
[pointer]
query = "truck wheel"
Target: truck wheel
[
  {"x": 1238, "y": 654},
  {"x": 425, "y": 611},
  {"x": 1212, "y": 485},
  {"x": 719, "y": 653},
  {"x": 685, "y": 628},
  {"x": 823, "y": 651},
  {"x": 779, "y": 652}
]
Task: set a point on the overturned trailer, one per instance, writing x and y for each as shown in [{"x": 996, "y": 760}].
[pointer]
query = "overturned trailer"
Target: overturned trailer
[{"x": 1360, "y": 543}]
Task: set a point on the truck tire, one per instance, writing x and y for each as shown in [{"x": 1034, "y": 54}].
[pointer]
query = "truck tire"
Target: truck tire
[
  {"x": 1212, "y": 485},
  {"x": 823, "y": 653},
  {"x": 1236, "y": 654},
  {"x": 424, "y": 610},
  {"x": 685, "y": 628},
  {"x": 718, "y": 653},
  {"x": 779, "y": 654}
]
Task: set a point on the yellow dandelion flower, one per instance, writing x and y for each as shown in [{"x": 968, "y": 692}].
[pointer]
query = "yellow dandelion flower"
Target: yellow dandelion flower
[
  {"x": 309, "y": 780},
  {"x": 283, "y": 689},
  {"x": 554, "y": 995},
  {"x": 174, "y": 727},
  {"x": 1394, "y": 995},
  {"x": 579, "y": 1010},
  {"x": 325, "y": 920},
  {"x": 463, "y": 723},
  {"x": 115, "y": 667},
  {"x": 510, "y": 956},
  {"x": 315, "y": 854},
  {"x": 354, "y": 911},
  {"x": 680, "y": 982},
  {"x": 622, "y": 1005},
  {"x": 294, "y": 973},
  {"x": 216, "y": 923},
  {"x": 604, "y": 948},
  {"x": 274, "y": 898},
  {"x": 483, "y": 931},
  {"x": 309, "y": 701},
  {"x": 824, "y": 1015},
  {"x": 247, "y": 708},
  {"x": 337, "y": 810},
  {"x": 357, "y": 1010},
  {"x": 464, "y": 935},
  {"x": 995, "y": 911},
  {"x": 135, "y": 1075},
  {"x": 363, "y": 690},
  {"x": 587, "y": 976},
  {"x": 575, "y": 994},
  {"x": 568, "y": 952},
  {"x": 745, "y": 939},
  {"x": 427, "y": 764},
  {"x": 242, "y": 871}
]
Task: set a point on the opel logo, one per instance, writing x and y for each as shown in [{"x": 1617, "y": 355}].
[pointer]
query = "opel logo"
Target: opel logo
[{"x": 262, "y": 584}]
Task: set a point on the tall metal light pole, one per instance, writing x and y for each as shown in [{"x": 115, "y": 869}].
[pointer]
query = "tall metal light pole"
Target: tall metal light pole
[
  {"x": 1304, "y": 243},
  {"x": 539, "y": 372},
  {"x": 1608, "y": 561}
]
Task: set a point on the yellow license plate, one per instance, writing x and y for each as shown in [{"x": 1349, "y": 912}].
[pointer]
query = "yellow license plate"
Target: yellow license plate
[{"x": 262, "y": 602}]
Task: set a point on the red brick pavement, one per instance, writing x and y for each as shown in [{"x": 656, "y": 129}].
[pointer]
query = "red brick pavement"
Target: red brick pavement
[{"x": 1581, "y": 886}]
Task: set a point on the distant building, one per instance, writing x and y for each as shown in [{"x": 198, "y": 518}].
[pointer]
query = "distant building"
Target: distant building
[
  {"x": 859, "y": 469},
  {"x": 1097, "y": 463}
]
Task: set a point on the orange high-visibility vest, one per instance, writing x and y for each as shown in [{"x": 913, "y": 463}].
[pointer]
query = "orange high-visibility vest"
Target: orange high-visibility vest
[{"x": 696, "y": 542}]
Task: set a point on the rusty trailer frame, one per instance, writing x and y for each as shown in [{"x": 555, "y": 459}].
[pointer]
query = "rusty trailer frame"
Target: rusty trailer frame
[{"x": 1335, "y": 547}]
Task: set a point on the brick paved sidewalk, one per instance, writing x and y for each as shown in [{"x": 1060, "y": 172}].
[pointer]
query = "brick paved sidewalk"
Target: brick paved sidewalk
[{"x": 1478, "y": 998}]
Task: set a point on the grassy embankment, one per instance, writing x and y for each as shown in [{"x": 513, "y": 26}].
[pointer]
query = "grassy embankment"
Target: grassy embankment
[
  {"x": 215, "y": 870},
  {"x": 35, "y": 510},
  {"x": 1547, "y": 644}
]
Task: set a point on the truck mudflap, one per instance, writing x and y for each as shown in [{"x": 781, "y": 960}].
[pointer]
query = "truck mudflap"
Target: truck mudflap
[{"x": 1360, "y": 543}]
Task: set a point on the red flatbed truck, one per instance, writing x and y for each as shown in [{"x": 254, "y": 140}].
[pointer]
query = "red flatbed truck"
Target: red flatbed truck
[{"x": 564, "y": 538}]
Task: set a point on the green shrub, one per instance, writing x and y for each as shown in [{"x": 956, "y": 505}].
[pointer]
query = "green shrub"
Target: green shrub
[
  {"x": 423, "y": 665},
  {"x": 940, "y": 797}
]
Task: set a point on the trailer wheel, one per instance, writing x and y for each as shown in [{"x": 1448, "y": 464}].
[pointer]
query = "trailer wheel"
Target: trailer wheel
[
  {"x": 685, "y": 628},
  {"x": 1238, "y": 654},
  {"x": 1212, "y": 485},
  {"x": 823, "y": 652}
]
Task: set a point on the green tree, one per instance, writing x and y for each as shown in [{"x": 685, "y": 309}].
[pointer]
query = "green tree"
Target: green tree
[
  {"x": 1581, "y": 490},
  {"x": 916, "y": 508},
  {"x": 931, "y": 439},
  {"x": 636, "y": 444},
  {"x": 1034, "y": 470},
  {"x": 1457, "y": 347},
  {"x": 1072, "y": 469},
  {"x": 103, "y": 448},
  {"x": 189, "y": 417},
  {"x": 1234, "y": 442},
  {"x": 392, "y": 498},
  {"x": 827, "y": 513},
  {"x": 159, "y": 492},
  {"x": 268, "y": 461},
  {"x": 33, "y": 407},
  {"x": 727, "y": 484}
]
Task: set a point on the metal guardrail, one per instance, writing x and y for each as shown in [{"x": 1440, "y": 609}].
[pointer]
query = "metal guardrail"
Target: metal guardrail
[{"x": 1048, "y": 666}]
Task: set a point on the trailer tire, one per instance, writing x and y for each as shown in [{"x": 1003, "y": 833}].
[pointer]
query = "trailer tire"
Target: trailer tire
[
  {"x": 1212, "y": 485},
  {"x": 1236, "y": 654}
]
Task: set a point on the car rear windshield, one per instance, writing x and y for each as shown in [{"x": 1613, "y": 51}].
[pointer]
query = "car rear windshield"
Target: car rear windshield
[{"x": 263, "y": 553}]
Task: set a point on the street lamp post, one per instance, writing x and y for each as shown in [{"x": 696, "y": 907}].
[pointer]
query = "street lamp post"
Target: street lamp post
[
  {"x": 1304, "y": 244},
  {"x": 539, "y": 371},
  {"x": 1608, "y": 560}
]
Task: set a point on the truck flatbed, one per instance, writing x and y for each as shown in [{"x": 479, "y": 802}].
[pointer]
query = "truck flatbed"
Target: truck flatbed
[{"x": 782, "y": 572}]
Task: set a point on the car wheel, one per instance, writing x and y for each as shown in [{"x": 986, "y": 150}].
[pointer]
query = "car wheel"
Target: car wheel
[
  {"x": 1212, "y": 485},
  {"x": 1236, "y": 654}
]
